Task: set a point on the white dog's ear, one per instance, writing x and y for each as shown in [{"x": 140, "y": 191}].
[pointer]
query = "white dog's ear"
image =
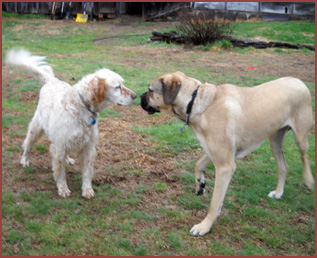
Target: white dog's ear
[
  {"x": 99, "y": 91},
  {"x": 171, "y": 88}
]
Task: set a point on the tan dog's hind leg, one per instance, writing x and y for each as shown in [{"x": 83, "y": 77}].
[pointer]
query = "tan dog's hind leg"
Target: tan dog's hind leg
[
  {"x": 302, "y": 143},
  {"x": 276, "y": 143},
  {"x": 199, "y": 176},
  {"x": 303, "y": 121},
  {"x": 222, "y": 180}
]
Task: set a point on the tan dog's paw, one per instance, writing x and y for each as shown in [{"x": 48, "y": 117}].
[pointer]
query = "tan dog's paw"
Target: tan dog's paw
[
  {"x": 275, "y": 195},
  {"x": 199, "y": 230},
  {"x": 88, "y": 193},
  {"x": 64, "y": 192}
]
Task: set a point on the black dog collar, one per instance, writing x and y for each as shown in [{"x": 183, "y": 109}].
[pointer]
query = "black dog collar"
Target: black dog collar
[{"x": 190, "y": 105}]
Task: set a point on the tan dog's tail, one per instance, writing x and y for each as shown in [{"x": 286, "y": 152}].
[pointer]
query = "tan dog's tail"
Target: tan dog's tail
[{"x": 35, "y": 64}]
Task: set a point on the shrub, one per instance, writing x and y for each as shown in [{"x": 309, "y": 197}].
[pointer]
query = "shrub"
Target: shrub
[{"x": 202, "y": 27}]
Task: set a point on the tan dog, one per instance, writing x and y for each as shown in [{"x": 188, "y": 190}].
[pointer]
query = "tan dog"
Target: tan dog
[{"x": 231, "y": 121}]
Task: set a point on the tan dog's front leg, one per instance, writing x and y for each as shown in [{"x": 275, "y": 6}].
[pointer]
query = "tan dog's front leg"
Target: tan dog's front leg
[
  {"x": 199, "y": 176},
  {"x": 223, "y": 177}
]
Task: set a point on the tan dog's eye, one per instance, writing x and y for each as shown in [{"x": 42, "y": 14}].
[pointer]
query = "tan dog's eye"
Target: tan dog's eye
[{"x": 150, "y": 90}]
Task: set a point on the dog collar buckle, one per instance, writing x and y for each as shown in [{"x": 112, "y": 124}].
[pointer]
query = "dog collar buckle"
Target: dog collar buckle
[{"x": 93, "y": 120}]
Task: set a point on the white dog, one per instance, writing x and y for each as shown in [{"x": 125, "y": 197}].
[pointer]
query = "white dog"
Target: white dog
[{"x": 68, "y": 115}]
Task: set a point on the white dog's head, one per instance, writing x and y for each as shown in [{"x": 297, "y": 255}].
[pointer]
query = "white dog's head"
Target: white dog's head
[{"x": 104, "y": 88}]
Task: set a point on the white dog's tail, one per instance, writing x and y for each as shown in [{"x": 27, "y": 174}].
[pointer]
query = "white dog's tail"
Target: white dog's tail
[{"x": 34, "y": 64}]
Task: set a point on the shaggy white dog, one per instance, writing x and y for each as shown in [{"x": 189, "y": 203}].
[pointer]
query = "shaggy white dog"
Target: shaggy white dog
[{"x": 68, "y": 115}]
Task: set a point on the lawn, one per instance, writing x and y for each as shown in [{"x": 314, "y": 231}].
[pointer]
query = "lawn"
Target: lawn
[{"x": 145, "y": 201}]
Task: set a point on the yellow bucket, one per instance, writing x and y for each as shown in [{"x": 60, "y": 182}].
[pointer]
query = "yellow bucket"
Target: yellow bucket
[{"x": 81, "y": 17}]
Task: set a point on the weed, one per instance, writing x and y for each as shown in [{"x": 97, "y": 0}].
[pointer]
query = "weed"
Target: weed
[
  {"x": 25, "y": 197},
  {"x": 28, "y": 170},
  {"x": 159, "y": 187},
  {"x": 8, "y": 197},
  {"x": 14, "y": 148},
  {"x": 34, "y": 226},
  {"x": 224, "y": 44},
  {"x": 41, "y": 148},
  {"x": 175, "y": 241},
  {"x": 109, "y": 113},
  {"x": 141, "y": 251},
  {"x": 14, "y": 237}
]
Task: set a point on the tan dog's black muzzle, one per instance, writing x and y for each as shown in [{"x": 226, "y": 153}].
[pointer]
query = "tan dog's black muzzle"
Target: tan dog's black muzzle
[{"x": 145, "y": 104}]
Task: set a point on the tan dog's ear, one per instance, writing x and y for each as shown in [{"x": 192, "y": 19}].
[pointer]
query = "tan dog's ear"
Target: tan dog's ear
[
  {"x": 171, "y": 88},
  {"x": 99, "y": 91}
]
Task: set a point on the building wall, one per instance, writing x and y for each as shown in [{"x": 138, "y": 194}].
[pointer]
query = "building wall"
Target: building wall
[{"x": 265, "y": 7}]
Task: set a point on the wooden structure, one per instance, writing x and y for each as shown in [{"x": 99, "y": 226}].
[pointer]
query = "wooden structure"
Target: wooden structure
[{"x": 165, "y": 10}]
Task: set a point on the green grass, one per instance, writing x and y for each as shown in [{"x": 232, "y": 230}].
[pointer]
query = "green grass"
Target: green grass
[
  {"x": 109, "y": 113},
  {"x": 291, "y": 32},
  {"x": 147, "y": 212},
  {"x": 168, "y": 138},
  {"x": 23, "y": 16}
]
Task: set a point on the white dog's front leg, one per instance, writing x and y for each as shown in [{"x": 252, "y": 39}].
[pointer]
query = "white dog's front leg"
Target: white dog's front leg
[
  {"x": 58, "y": 160},
  {"x": 60, "y": 178},
  {"x": 87, "y": 166}
]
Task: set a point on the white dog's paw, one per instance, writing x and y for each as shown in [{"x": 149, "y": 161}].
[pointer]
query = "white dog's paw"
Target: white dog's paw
[
  {"x": 70, "y": 161},
  {"x": 199, "y": 230},
  {"x": 64, "y": 192},
  {"x": 275, "y": 195},
  {"x": 24, "y": 161},
  {"x": 88, "y": 193}
]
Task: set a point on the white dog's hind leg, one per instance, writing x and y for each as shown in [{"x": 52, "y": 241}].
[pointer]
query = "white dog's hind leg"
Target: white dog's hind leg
[
  {"x": 276, "y": 143},
  {"x": 34, "y": 133},
  {"x": 59, "y": 174},
  {"x": 87, "y": 158},
  {"x": 199, "y": 176}
]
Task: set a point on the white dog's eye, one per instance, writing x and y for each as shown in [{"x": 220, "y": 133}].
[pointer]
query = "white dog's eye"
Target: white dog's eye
[{"x": 118, "y": 87}]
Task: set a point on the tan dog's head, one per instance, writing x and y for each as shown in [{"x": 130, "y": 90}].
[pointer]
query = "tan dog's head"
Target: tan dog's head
[{"x": 163, "y": 91}]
